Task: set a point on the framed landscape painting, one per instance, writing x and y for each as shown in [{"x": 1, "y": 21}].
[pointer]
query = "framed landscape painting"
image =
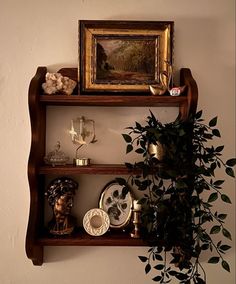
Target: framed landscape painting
[{"x": 123, "y": 56}]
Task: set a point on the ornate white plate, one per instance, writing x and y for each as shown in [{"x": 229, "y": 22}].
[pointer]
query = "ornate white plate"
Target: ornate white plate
[
  {"x": 96, "y": 222},
  {"x": 117, "y": 202}
]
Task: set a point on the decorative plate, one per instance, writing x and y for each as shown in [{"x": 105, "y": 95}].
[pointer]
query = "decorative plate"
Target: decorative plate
[
  {"x": 96, "y": 222},
  {"x": 117, "y": 201}
]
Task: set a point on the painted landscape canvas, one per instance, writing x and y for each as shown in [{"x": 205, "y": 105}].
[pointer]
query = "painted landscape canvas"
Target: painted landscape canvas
[{"x": 126, "y": 60}]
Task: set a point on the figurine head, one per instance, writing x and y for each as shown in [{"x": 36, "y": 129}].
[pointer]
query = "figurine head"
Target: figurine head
[
  {"x": 60, "y": 193},
  {"x": 60, "y": 197}
]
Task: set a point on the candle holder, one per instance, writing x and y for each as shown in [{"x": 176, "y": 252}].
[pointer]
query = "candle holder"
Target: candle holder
[
  {"x": 82, "y": 133},
  {"x": 137, "y": 208}
]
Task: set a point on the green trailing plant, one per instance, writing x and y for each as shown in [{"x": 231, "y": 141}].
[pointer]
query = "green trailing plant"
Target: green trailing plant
[{"x": 179, "y": 221}]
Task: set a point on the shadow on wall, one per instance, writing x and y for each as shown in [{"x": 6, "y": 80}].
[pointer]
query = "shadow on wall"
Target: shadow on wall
[{"x": 62, "y": 254}]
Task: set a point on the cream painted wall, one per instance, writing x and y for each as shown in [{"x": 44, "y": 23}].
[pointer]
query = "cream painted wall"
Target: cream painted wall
[{"x": 44, "y": 33}]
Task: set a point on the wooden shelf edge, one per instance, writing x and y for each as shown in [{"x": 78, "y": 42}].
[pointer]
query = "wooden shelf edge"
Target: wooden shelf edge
[
  {"x": 111, "y": 100},
  {"x": 101, "y": 169},
  {"x": 81, "y": 238}
]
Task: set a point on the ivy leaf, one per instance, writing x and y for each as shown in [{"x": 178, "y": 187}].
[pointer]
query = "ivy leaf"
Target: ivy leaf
[
  {"x": 143, "y": 144},
  {"x": 227, "y": 234},
  {"x": 213, "y": 197},
  {"x": 157, "y": 278},
  {"x": 225, "y": 247},
  {"x": 222, "y": 216},
  {"x": 129, "y": 148},
  {"x": 173, "y": 272},
  {"x": 159, "y": 266},
  {"x": 139, "y": 151},
  {"x": 205, "y": 246},
  {"x": 231, "y": 162},
  {"x": 138, "y": 126},
  {"x": 230, "y": 172},
  {"x": 218, "y": 182},
  {"x": 158, "y": 257},
  {"x": 143, "y": 258},
  {"x": 198, "y": 114},
  {"x": 225, "y": 265},
  {"x": 215, "y": 230},
  {"x": 225, "y": 198},
  {"x": 213, "y": 122},
  {"x": 181, "y": 276},
  {"x": 127, "y": 138},
  {"x": 214, "y": 259},
  {"x": 147, "y": 268},
  {"x": 219, "y": 148},
  {"x": 216, "y": 132}
]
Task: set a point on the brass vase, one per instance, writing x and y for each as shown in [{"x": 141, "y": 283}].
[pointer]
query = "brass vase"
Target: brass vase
[{"x": 157, "y": 151}]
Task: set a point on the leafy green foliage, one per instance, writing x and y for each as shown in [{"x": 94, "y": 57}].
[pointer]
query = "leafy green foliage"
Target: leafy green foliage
[
  {"x": 225, "y": 265},
  {"x": 175, "y": 212},
  {"x": 227, "y": 234},
  {"x": 231, "y": 162},
  {"x": 225, "y": 198},
  {"x": 215, "y": 229},
  {"x": 214, "y": 259},
  {"x": 143, "y": 258}
]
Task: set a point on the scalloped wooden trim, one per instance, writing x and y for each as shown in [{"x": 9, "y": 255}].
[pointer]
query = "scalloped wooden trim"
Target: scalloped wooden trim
[
  {"x": 37, "y": 150},
  {"x": 190, "y": 107}
]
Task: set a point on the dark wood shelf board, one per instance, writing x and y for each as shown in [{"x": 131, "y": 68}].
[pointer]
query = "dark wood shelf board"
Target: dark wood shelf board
[
  {"x": 111, "y": 100},
  {"x": 100, "y": 169},
  {"x": 81, "y": 238}
]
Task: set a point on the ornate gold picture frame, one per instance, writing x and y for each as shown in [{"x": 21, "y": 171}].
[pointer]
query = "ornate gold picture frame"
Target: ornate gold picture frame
[{"x": 123, "y": 56}]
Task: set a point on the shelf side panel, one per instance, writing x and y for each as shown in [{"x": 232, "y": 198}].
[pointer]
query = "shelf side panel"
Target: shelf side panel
[
  {"x": 38, "y": 126},
  {"x": 188, "y": 107}
]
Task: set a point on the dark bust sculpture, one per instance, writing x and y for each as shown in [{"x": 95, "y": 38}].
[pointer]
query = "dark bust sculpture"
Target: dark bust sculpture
[{"x": 60, "y": 194}]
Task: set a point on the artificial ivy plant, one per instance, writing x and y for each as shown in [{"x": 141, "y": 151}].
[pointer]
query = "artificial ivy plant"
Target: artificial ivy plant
[{"x": 179, "y": 220}]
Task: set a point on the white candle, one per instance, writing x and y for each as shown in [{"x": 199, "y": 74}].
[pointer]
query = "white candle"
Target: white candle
[{"x": 137, "y": 206}]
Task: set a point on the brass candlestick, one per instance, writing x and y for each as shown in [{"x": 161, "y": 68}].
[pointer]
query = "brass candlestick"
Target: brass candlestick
[{"x": 136, "y": 220}]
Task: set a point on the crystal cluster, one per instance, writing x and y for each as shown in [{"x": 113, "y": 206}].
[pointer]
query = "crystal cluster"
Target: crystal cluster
[{"x": 56, "y": 83}]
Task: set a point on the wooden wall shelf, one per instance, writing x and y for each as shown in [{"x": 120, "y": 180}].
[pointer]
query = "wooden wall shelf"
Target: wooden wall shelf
[{"x": 36, "y": 238}]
